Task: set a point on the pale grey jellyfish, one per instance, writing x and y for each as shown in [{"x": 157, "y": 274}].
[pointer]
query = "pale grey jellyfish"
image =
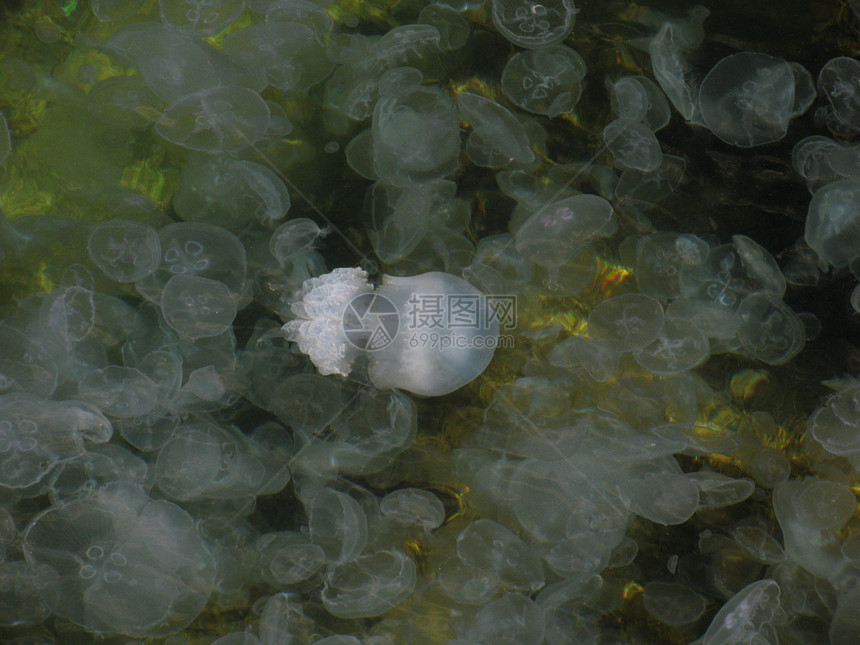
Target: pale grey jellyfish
[
  {"x": 558, "y": 232},
  {"x": 544, "y": 81},
  {"x": 231, "y": 193},
  {"x": 201, "y": 17},
  {"x": 633, "y": 145},
  {"x": 833, "y": 222},
  {"x": 747, "y": 99},
  {"x": 747, "y": 616},
  {"x": 497, "y": 138},
  {"x": 429, "y": 334},
  {"x": 416, "y": 137},
  {"x": 124, "y": 101},
  {"x": 124, "y": 564},
  {"x": 528, "y": 23},
  {"x": 839, "y": 81},
  {"x": 197, "y": 307},
  {"x": 370, "y": 585},
  {"x": 126, "y": 251},
  {"x": 217, "y": 120},
  {"x": 289, "y": 53}
]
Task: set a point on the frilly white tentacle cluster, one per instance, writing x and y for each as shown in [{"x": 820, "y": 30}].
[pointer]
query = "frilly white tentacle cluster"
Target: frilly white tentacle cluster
[{"x": 318, "y": 327}]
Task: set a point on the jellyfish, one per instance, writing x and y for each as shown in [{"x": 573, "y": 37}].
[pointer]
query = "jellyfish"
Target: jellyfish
[
  {"x": 557, "y": 233},
  {"x": 217, "y": 120},
  {"x": 429, "y": 334},
  {"x": 747, "y": 99}
]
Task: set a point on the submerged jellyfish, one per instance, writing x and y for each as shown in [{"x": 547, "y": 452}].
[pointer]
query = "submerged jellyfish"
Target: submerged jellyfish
[
  {"x": 429, "y": 334},
  {"x": 747, "y": 99}
]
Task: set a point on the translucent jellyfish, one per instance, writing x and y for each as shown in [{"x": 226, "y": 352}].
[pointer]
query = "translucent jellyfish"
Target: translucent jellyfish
[
  {"x": 133, "y": 566},
  {"x": 27, "y": 594},
  {"x": 5, "y": 140},
  {"x": 546, "y": 81},
  {"x": 672, "y": 72},
  {"x": 747, "y": 99},
  {"x": 413, "y": 45},
  {"x": 759, "y": 544},
  {"x": 804, "y": 89},
  {"x": 637, "y": 98},
  {"x": 377, "y": 426},
  {"x": 125, "y": 251},
  {"x": 833, "y": 222},
  {"x": 488, "y": 546},
  {"x": 599, "y": 361},
  {"x": 633, "y": 145},
  {"x": 839, "y": 81},
  {"x": 465, "y": 584},
  {"x": 36, "y": 435},
  {"x": 289, "y": 53},
  {"x": 230, "y": 193},
  {"x": 769, "y": 468},
  {"x": 717, "y": 491},
  {"x": 206, "y": 460},
  {"x": 295, "y": 236},
  {"x": 149, "y": 431},
  {"x": 513, "y": 618},
  {"x": 400, "y": 81},
  {"x": 369, "y": 585},
  {"x": 810, "y": 513},
  {"x": 680, "y": 346},
  {"x": 453, "y": 28},
  {"x": 748, "y": 616},
  {"x": 301, "y": 11},
  {"x": 99, "y": 467},
  {"x": 836, "y": 425},
  {"x": 223, "y": 119},
  {"x": 125, "y": 101},
  {"x": 663, "y": 497},
  {"x": 174, "y": 64},
  {"x": 413, "y": 507},
  {"x": 415, "y": 137},
  {"x": 660, "y": 258},
  {"x": 197, "y": 307},
  {"x": 529, "y": 24},
  {"x": 25, "y": 365},
  {"x": 289, "y": 557},
  {"x": 672, "y": 603},
  {"x": 401, "y": 216},
  {"x": 555, "y": 234},
  {"x": 202, "y": 17},
  {"x": 408, "y": 343},
  {"x": 338, "y": 524},
  {"x": 723, "y": 280},
  {"x": 193, "y": 248},
  {"x": 497, "y": 138},
  {"x": 627, "y": 322},
  {"x": 308, "y": 403},
  {"x": 760, "y": 265},
  {"x": 119, "y": 391},
  {"x": 769, "y": 329}
]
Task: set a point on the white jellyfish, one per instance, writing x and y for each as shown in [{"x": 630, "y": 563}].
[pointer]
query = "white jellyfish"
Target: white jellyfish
[{"x": 429, "y": 334}]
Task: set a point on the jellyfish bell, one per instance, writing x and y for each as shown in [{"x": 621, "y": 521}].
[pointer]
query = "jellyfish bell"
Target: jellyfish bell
[{"x": 429, "y": 334}]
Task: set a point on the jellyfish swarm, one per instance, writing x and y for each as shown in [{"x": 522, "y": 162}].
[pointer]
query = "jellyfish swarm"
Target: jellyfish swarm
[{"x": 429, "y": 334}]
